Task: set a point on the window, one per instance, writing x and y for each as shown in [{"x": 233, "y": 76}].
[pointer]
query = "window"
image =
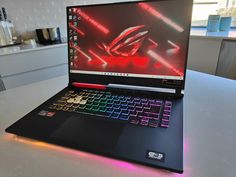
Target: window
[{"x": 203, "y": 8}]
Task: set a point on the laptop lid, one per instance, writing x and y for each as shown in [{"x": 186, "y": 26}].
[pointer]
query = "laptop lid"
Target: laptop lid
[{"x": 131, "y": 43}]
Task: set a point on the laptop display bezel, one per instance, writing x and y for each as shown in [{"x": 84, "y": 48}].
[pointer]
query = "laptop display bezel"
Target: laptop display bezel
[{"x": 105, "y": 79}]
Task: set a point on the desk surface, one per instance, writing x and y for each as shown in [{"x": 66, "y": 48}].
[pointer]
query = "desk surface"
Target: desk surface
[{"x": 209, "y": 135}]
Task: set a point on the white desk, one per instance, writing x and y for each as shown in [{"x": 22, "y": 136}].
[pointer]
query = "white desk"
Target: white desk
[{"x": 209, "y": 135}]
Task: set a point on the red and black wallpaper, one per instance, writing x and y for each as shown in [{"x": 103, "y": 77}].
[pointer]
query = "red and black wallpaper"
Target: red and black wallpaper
[{"x": 139, "y": 38}]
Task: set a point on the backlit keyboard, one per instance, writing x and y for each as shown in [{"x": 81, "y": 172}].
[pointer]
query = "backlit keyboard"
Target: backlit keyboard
[{"x": 135, "y": 110}]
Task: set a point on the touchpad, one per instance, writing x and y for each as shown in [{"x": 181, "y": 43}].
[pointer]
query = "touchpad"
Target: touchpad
[{"x": 89, "y": 132}]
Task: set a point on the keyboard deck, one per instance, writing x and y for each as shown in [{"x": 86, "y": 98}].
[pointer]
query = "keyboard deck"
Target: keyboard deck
[{"x": 135, "y": 110}]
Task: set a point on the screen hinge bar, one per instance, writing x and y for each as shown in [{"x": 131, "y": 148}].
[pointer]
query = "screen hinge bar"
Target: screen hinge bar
[{"x": 141, "y": 88}]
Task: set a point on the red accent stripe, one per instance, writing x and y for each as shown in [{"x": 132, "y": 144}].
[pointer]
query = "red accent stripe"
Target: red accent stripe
[{"x": 87, "y": 85}]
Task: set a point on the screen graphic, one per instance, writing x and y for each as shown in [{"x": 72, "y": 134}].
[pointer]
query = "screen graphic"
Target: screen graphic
[{"x": 142, "y": 39}]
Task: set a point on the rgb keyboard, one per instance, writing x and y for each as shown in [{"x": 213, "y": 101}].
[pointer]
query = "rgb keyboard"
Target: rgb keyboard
[{"x": 135, "y": 110}]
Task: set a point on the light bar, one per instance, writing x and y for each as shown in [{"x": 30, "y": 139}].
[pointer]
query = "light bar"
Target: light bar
[
  {"x": 155, "y": 44},
  {"x": 77, "y": 30},
  {"x": 160, "y": 16},
  {"x": 98, "y": 57},
  {"x": 159, "y": 58},
  {"x": 93, "y": 21},
  {"x": 173, "y": 44},
  {"x": 81, "y": 52}
]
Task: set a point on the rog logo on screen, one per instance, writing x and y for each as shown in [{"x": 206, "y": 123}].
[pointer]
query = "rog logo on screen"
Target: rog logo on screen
[{"x": 127, "y": 43}]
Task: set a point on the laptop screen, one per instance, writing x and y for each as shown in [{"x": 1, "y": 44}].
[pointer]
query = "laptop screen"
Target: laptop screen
[{"x": 137, "y": 39}]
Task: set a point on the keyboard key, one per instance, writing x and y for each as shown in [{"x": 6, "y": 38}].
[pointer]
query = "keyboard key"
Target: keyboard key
[
  {"x": 117, "y": 111},
  {"x": 102, "y": 104},
  {"x": 116, "y": 102},
  {"x": 166, "y": 118},
  {"x": 164, "y": 124},
  {"x": 146, "y": 109},
  {"x": 166, "y": 108},
  {"x": 168, "y": 103},
  {"x": 76, "y": 101},
  {"x": 96, "y": 102},
  {"x": 152, "y": 115},
  {"x": 102, "y": 109},
  {"x": 69, "y": 105},
  {"x": 151, "y": 101},
  {"x": 153, "y": 123},
  {"x": 134, "y": 120},
  {"x": 139, "y": 105},
  {"x": 65, "y": 109},
  {"x": 114, "y": 115},
  {"x": 143, "y": 122},
  {"x": 124, "y": 117},
  {"x": 166, "y": 113},
  {"x": 61, "y": 101},
  {"x": 132, "y": 105},
  {"x": 109, "y": 105},
  {"x": 81, "y": 106},
  {"x": 159, "y": 101},
  {"x": 116, "y": 106},
  {"x": 155, "y": 108},
  {"x": 83, "y": 102},
  {"x": 126, "y": 112},
  {"x": 71, "y": 100},
  {"x": 144, "y": 118},
  {"x": 75, "y": 106},
  {"x": 109, "y": 110},
  {"x": 95, "y": 109},
  {"x": 124, "y": 104},
  {"x": 133, "y": 113},
  {"x": 71, "y": 109},
  {"x": 123, "y": 107},
  {"x": 88, "y": 109},
  {"x": 52, "y": 107},
  {"x": 94, "y": 106}
]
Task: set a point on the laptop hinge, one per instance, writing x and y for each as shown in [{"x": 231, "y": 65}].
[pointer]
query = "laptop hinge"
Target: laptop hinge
[
  {"x": 141, "y": 88},
  {"x": 179, "y": 93}
]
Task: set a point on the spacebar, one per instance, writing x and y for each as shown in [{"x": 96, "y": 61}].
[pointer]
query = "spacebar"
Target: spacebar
[{"x": 95, "y": 113}]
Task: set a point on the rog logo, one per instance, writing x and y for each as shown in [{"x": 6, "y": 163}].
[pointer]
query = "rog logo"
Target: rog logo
[{"x": 127, "y": 43}]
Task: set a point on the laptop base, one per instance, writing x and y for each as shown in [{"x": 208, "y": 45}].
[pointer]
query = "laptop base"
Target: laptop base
[{"x": 156, "y": 147}]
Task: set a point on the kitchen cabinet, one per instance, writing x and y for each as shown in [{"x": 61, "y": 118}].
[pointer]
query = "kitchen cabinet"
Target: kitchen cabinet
[{"x": 20, "y": 67}]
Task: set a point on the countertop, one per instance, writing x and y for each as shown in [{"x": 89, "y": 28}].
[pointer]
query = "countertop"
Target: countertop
[
  {"x": 27, "y": 48},
  {"x": 209, "y": 135},
  {"x": 203, "y": 34}
]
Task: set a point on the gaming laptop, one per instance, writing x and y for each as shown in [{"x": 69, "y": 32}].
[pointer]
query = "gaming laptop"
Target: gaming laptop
[{"x": 124, "y": 99}]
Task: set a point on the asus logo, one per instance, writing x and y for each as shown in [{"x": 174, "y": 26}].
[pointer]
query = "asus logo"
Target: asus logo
[{"x": 156, "y": 155}]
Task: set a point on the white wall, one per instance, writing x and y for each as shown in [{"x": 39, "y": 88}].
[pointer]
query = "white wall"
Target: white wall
[{"x": 28, "y": 15}]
